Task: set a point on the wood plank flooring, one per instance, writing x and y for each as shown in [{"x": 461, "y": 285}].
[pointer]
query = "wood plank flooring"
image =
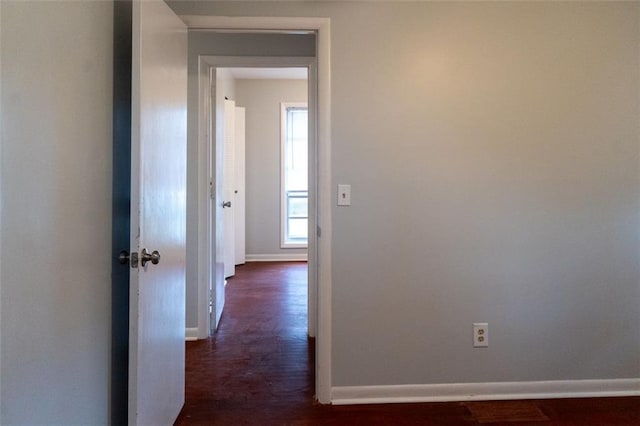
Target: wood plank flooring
[{"x": 258, "y": 370}]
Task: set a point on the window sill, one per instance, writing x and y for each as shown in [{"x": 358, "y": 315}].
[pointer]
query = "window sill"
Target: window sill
[{"x": 294, "y": 245}]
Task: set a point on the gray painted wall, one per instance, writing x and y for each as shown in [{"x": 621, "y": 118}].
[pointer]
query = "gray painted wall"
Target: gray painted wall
[
  {"x": 234, "y": 44},
  {"x": 501, "y": 137},
  {"x": 221, "y": 44},
  {"x": 262, "y": 99},
  {"x": 492, "y": 150},
  {"x": 56, "y": 212}
]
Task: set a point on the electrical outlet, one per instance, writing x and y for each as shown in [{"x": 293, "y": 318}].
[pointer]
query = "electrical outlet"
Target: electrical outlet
[{"x": 480, "y": 334}]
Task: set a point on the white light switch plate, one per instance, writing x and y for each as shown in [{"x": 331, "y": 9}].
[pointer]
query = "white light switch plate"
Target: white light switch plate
[{"x": 344, "y": 195}]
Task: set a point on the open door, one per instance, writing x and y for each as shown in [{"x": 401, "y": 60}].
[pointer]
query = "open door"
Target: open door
[
  {"x": 229, "y": 178},
  {"x": 239, "y": 191},
  {"x": 158, "y": 215},
  {"x": 217, "y": 201}
]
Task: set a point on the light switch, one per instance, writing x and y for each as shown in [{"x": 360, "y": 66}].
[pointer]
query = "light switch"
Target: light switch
[{"x": 344, "y": 195}]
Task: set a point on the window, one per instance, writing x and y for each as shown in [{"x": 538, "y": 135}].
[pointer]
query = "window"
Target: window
[{"x": 294, "y": 169}]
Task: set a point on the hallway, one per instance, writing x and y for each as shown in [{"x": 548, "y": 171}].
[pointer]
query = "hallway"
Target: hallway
[
  {"x": 259, "y": 366},
  {"x": 258, "y": 370}
]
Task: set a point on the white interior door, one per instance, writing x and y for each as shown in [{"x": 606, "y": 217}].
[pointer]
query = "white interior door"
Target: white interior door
[
  {"x": 239, "y": 191},
  {"x": 217, "y": 292},
  {"x": 229, "y": 188},
  {"x": 158, "y": 212}
]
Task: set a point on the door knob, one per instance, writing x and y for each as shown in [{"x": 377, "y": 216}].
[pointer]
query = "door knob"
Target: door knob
[
  {"x": 124, "y": 258},
  {"x": 226, "y": 204},
  {"x": 153, "y": 257}
]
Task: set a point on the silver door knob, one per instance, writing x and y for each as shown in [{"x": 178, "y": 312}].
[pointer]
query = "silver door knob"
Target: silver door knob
[
  {"x": 153, "y": 257},
  {"x": 226, "y": 204}
]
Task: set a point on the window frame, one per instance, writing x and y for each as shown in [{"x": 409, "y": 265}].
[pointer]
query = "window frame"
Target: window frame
[{"x": 284, "y": 216}]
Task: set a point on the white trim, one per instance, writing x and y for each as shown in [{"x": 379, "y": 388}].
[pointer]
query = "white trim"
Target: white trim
[
  {"x": 2, "y": 148},
  {"x": 279, "y": 257},
  {"x": 207, "y": 66},
  {"x": 323, "y": 182},
  {"x": 343, "y": 395},
  {"x": 205, "y": 227},
  {"x": 293, "y": 246},
  {"x": 191, "y": 334},
  {"x": 320, "y": 254}
]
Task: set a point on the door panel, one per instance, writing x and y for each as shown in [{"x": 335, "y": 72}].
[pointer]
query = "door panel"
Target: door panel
[
  {"x": 239, "y": 191},
  {"x": 217, "y": 124},
  {"x": 229, "y": 187},
  {"x": 158, "y": 212}
]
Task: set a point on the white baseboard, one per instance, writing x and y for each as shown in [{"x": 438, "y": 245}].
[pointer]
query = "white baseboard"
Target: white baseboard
[
  {"x": 344, "y": 395},
  {"x": 279, "y": 257},
  {"x": 191, "y": 334}
]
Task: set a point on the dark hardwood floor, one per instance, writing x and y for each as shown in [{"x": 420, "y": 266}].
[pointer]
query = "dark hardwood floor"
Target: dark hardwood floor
[{"x": 258, "y": 370}]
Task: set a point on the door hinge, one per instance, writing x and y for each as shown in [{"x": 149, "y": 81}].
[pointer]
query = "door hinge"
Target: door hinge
[
  {"x": 211, "y": 190},
  {"x": 318, "y": 231}
]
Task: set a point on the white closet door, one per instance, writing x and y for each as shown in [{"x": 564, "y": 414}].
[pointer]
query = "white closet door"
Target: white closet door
[
  {"x": 239, "y": 192},
  {"x": 229, "y": 188}
]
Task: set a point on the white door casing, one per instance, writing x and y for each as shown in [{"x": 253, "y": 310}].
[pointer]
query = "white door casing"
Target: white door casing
[
  {"x": 158, "y": 214},
  {"x": 320, "y": 200},
  {"x": 319, "y": 248}
]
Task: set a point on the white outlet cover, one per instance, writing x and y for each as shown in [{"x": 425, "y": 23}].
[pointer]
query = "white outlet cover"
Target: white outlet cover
[{"x": 480, "y": 334}]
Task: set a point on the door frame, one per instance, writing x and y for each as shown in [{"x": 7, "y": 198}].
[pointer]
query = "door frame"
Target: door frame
[
  {"x": 319, "y": 249},
  {"x": 208, "y": 134}
]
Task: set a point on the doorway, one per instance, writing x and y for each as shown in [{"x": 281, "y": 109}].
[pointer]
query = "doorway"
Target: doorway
[
  {"x": 265, "y": 134},
  {"x": 217, "y": 89},
  {"x": 320, "y": 194},
  {"x": 262, "y": 361},
  {"x": 261, "y": 130}
]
